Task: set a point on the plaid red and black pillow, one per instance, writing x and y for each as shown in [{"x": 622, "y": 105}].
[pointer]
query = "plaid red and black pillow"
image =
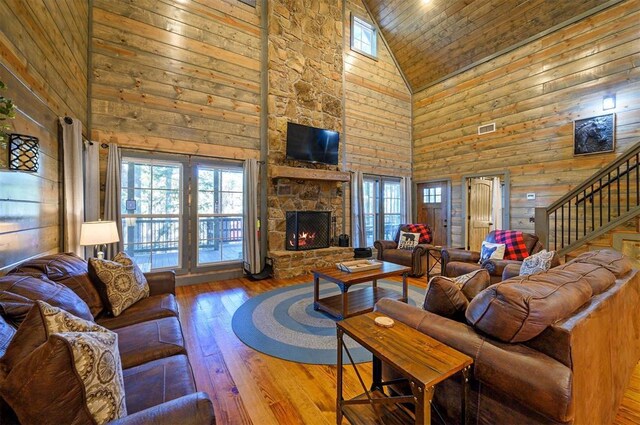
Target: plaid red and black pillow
[
  {"x": 515, "y": 249},
  {"x": 423, "y": 229}
]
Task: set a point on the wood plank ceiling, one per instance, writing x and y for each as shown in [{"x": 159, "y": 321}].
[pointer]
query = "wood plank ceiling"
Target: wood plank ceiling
[{"x": 432, "y": 39}]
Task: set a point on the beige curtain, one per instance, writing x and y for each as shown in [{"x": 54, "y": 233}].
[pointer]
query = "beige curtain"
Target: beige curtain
[
  {"x": 112, "y": 200},
  {"x": 252, "y": 256},
  {"x": 496, "y": 207},
  {"x": 91, "y": 160},
  {"x": 73, "y": 185},
  {"x": 406, "y": 191},
  {"x": 357, "y": 210}
]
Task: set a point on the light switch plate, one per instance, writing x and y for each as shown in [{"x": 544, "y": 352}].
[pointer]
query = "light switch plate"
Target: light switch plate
[{"x": 531, "y": 196}]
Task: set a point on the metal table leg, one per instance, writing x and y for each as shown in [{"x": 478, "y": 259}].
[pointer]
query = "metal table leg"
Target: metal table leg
[
  {"x": 339, "y": 379},
  {"x": 465, "y": 394}
]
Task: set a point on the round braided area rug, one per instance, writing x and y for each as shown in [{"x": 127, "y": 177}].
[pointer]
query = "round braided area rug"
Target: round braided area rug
[{"x": 282, "y": 323}]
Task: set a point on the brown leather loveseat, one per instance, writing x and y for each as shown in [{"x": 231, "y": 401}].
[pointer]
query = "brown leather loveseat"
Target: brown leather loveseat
[
  {"x": 557, "y": 347},
  {"x": 459, "y": 261},
  {"x": 158, "y": 380}
]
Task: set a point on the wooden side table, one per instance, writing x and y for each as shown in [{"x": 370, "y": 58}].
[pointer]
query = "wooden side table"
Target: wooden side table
[
  {"x": 421, "y": 360},
  {"x": 435, "y": 253}
]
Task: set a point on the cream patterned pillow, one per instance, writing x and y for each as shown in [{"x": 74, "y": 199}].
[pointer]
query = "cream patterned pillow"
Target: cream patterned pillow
[
  {"x": 96, "y": 360},
  {"x": 123, "y": 282},
  {"x": 57, "y": 320},
  {"x": 539, "y": 262}
]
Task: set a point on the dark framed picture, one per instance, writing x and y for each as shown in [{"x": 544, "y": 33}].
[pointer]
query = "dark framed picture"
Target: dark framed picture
[{"x": 594, "y": 135}]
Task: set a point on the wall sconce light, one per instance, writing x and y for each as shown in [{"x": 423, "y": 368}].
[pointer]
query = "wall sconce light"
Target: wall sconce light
[
  {"x": 23, "y": 153},
  {"x": 609, "y": 102}
]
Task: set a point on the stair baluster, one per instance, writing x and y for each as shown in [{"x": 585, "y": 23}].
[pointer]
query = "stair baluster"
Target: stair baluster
[{"x": 567, "y": 233}]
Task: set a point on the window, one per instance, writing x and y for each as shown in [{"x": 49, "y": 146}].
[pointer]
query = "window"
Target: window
[
  {"x": 220, "y": 201},
  {"x": 165, "y": 227},
  {"x": 151, "y": 212},
  {"x": 382, "y": 208},
  {"x": 364, "y": 37},
  {"x": 432, "y": 195}
]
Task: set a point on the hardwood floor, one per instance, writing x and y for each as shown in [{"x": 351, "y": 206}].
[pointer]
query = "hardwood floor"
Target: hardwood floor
[{"x": 248, "y": 387}]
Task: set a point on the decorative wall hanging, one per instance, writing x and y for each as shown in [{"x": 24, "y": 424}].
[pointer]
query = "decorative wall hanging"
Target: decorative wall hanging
[
  {"x": 23, "y": 153},
  {"x": 594, "y": 135}
]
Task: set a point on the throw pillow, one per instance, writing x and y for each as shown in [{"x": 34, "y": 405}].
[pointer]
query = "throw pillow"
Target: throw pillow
[
  {"x": 122, "y": 281},
  {"x": 19, "y": 292},
  {"x": 444, "y": 298},
  {"x": 536, "y": 263},
  {"x": 408, "y": 240},
  {"x": 42, "y": 321},
  {"x": 74, "y": 377},
  {"x": 423, "y": 229},
  {"x": 515, "y": 249},
  {"x": 491, "y": 251},
  {"x": 471, "y": 284}
]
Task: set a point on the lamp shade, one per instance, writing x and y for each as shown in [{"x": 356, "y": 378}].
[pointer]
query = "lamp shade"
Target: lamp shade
[{"x": 98, "y": 233}]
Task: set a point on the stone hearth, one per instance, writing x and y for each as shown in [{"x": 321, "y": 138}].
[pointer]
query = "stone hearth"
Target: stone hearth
[{"x": 288, "y": 264}]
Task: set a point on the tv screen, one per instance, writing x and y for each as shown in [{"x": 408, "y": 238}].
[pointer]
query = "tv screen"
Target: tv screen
[{"x": 312, "y": 144}]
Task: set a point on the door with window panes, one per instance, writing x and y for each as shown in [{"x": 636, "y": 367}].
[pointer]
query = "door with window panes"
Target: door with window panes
[
  {"x": 433, "y": 206},
  {"x": 382, "y": 207},
  {"x": 219, "y": 221},
  {"x": 159, "y": 219},
  {"x": 152, "y": 207}
]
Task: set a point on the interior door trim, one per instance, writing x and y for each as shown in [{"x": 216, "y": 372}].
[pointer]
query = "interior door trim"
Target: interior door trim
[{"x": 447, "y": 181}]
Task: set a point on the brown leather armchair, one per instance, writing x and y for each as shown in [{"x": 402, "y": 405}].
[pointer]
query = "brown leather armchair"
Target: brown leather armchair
[
  {"x": 458, "y": 262},
  {"x": 416, "y": 258}
]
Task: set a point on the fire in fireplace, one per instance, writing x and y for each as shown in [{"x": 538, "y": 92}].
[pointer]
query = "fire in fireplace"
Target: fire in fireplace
[{"x": 308, "y": 230}]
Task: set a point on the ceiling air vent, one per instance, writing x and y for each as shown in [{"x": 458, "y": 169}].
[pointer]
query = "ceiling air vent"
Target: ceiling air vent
[{"x": 488, "y": 128}]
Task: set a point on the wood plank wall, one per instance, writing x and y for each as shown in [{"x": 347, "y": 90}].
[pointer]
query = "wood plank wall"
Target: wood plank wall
[
  {"x": 179, "y": 77},
  {"x": 377, "y": 107},
  {"x": 44, "y": 64},
  {"x": 377, "y": 111},
  {"x": 533, "y": 94}
]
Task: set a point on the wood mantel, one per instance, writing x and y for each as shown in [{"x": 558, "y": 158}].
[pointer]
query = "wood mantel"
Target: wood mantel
[{"x": 296, "y": 173}]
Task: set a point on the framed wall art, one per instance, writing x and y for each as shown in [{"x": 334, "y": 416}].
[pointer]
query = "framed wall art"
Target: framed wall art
[{"x": 594, "y": 135}]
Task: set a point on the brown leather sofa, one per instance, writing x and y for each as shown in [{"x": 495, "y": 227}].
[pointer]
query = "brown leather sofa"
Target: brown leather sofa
[
  {"x": 458, "y": 261},
  {"x": 158, "y": 380},
  {"x": 416, "y": 258},
  {"x": 557, "y": 347}
]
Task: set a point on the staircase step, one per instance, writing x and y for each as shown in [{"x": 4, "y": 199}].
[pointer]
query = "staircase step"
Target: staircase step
[{"x": 598, "y": 246}]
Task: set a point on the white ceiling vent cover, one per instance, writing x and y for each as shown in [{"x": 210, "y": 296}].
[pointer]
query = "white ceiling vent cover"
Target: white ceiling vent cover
[{"x": 488, "y": 128}]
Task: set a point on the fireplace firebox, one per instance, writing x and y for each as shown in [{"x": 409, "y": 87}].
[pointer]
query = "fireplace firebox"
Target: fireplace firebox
[{"x": 308, "y": 230}]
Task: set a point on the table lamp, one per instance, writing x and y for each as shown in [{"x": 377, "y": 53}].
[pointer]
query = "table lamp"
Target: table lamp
[{"x": 98, "y": 234}]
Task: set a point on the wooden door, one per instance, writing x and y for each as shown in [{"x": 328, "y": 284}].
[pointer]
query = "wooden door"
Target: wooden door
[
  {"x": 432, "y": 209},
  {"x": 479, "y": 218}
]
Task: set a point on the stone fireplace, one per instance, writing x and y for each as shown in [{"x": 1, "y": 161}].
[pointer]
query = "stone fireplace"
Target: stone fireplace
[
  {"x": 305, "y": 87},
  {"x": 308, "y": 230}
]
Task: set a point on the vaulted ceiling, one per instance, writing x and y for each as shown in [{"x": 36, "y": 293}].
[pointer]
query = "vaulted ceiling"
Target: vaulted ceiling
[{"x": 431, "y": 39}]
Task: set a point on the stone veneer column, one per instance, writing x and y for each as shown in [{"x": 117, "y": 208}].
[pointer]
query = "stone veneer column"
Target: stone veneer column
[{"x": 305, "y": 87}]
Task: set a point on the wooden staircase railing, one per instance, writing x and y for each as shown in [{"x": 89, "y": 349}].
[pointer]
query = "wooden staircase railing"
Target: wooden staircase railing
[{"x": 602, "y": 202}]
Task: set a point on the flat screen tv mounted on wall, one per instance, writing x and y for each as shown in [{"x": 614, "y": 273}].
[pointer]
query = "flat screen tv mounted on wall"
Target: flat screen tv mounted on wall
[{"x": 312, "y": 144}]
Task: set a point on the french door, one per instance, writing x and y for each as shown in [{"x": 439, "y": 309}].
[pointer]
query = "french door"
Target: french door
[
  {"x": 382, "y": 207},
  {"x": 181, "y": 214}
]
